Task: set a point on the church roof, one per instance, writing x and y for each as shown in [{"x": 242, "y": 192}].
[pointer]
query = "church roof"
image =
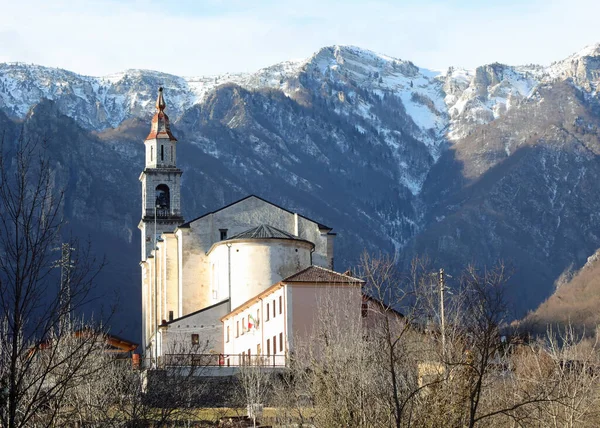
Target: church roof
[
  {"x": 160, "y": 122},
  {"x": 264, "y": 231},
  {"x": 320, "y": 225},
  {"x": 321, "y": 275}
]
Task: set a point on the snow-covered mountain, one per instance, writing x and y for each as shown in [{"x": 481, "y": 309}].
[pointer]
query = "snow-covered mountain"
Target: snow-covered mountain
[
  {"x": 464, "y": 165},
  {"x": 436, "y": 101}
]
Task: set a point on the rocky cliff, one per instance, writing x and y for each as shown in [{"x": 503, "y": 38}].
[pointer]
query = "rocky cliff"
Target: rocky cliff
[{"x": 466, "y": 166}]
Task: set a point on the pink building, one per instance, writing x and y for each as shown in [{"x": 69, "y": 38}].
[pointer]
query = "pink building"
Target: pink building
[{"x": 266, "y": 328}]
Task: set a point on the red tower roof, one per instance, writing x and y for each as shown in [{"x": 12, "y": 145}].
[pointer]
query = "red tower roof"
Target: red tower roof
[{"x": 160, "y": 122}]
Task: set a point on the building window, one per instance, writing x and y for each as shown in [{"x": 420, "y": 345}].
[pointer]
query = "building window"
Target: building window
[
  {"x": 280, "y": 305},
  {"x": 364, "y": 309},
  {"x": 162, "y": 152},
  {"x": 267, "y": 312},
  {"x": 170, "y": 316},
  {"x": 258, "y": 349},
  {"x": 243, "y": 325},
  {"x": 223, "y": 233},
  {"x": 172, "y": 158},
  {"x": 280, "y": 342},
  {"x": 273, "y": 308},
  {"x": 274, "y": 345},
  {"x": 237, "y": 329},
  {"x": 268, "y": 346},
  {"x": 257, "y": 317},
  {"x": 151, "y": 154},
  {"x": 195, "y": 339},
  {"x": 227, "y": 336}
]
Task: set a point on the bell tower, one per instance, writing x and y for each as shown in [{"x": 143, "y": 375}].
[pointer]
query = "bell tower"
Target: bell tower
[{"x": 161, "y": 181}]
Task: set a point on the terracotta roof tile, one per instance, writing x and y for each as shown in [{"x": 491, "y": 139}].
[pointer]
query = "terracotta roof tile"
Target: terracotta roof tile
[{"x": 321, "y": 275}]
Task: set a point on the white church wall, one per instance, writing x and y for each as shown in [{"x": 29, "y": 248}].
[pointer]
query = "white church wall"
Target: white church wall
[
  {"x": 323, "y": 255},
  {"x": 256, "y": 265},
  {"x": 196, "y": 270},
  {"x": 177, "y": 336},
  {"x": 195, "y": 273},
  {"x": 170, "y": 277}
]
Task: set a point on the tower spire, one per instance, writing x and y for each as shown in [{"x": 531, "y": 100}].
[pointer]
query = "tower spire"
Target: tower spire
[
  {"x": 160, "y": 129},
  {"x": 160, "y": 101}
]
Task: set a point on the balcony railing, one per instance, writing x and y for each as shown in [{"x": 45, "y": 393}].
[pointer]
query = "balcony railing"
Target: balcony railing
[
  {"x": 221, "y": 360},
  {"x": 162, "y": 213}
]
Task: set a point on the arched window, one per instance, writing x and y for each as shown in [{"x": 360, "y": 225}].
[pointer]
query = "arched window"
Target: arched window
[{"x": 163, "y": 197}]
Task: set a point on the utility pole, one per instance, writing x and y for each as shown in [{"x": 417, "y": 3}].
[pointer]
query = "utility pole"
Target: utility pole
[
  {"x": 66, "y": 265},
  {"x": 441, "y": 283}
]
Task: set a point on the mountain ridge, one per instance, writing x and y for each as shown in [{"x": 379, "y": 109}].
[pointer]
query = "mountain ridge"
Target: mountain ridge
[{"x": 497, "y": 163}]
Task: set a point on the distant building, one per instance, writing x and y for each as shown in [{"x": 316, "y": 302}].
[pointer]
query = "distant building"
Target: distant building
[{"x": 216, "y": 283}]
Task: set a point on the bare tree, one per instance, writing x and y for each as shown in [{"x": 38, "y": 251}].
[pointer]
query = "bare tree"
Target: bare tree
[
  {"x": 38, "y": 363},
  {"x": 255, "y": 382},
  {"x": 386, "y": 368}
]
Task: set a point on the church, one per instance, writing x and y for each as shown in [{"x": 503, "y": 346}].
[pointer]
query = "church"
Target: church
[{"x": 240, "y": 282}]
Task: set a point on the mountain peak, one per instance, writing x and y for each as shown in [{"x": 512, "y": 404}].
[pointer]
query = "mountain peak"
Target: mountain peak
[{"x": 590, "y": 50}]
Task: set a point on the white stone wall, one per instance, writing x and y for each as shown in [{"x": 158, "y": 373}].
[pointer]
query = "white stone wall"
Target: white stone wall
[
  {"x": 151, "y": 179},
  {"x": 255, "y": 266},
  {"x": 176, "y": 337},
  {"x": 153, "y": 153},
  {"x": 202, "y": 233},
  {"x": 238, "y": 339}
]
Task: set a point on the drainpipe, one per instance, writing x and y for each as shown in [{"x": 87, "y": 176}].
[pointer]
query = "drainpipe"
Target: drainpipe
[
  {"x": 229, "y": 273},
  {"x": 262, "y": 326}
]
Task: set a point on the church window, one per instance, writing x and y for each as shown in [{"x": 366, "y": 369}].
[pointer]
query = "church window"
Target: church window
[
  {"x": 223, "y": 233},
  {"x": 195, "y": 339},
  {"x": 172, "y": 158},
  {"x": 162, "y": 152}
]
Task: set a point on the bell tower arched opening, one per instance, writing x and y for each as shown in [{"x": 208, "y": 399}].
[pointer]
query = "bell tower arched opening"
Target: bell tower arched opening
[{"x": 163, "y": 198}]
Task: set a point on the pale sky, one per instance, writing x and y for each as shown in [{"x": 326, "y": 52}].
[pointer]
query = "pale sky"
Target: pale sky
[{"x": 205, "y": 37}]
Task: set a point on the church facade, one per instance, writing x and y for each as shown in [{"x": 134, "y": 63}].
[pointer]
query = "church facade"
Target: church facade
[{"x": 202, "y": 276}]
